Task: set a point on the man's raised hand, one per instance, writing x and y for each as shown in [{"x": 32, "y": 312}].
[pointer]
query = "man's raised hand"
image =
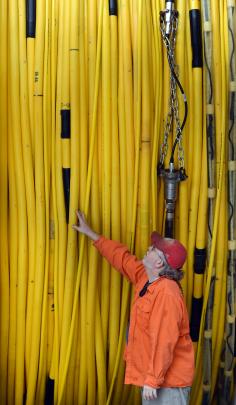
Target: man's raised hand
[{"x": 83, "y": 227}]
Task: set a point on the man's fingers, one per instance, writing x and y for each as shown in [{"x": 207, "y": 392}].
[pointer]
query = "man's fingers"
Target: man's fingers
[
  {"x": 146, "y": 394},
  {"x": 154, "y": 394},
  {"x": 81, "y": 216},
  {"x": 149, "y": 394}
]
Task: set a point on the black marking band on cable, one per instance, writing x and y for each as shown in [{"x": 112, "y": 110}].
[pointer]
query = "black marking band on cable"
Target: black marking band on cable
[
  {"x": 113, "y": 7},
  {"x": 65, "y": 124},
  {"x": 49, "y": 394},
  {"x": 199, "y": 261},
  {"x": 169, "y": 228},
  {"x": 197, "y": 304},
  {"x": 66, "y": 186},
  {"x": 30, "y": 18},
  {"x": 196, "y": 37},
  {"x": 234, "y": 341}
]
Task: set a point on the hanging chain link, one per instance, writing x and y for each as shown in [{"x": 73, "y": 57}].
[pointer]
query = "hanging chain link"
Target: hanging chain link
[{"x": 173, "y": 108}]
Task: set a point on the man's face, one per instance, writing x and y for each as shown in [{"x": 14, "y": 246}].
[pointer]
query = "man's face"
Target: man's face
[{"x": 153, "y": 259}]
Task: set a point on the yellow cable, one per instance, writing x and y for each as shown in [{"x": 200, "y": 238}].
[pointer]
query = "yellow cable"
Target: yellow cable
[
  {"x": 127, "y": 105},
  {"x": 62, "y": 383},
  {"x": 92, "y": 298},
  {"x": 4, "y": 257},
  {"x": 29, "y": 176},
  {"x": 137, "y": 122},
  {"x": 212, "y": 255},
  {"x": 115, "y": 283},
  {"x": 42, "y": 368},
  {"x": 155, "y": 210},
  {"x": 40, "y": 206},
  {"x": 106, "y": 164},
  {"x": 128, "y": 108},
  {"x": 30, "y": 43},
  {"x": 53, "y": 374},
  {"x": 145, "y": 147},
  {"x": 68, "y": 236},
  {"x": 14, "y": 97},
  {"x": 13, "y": 267}
]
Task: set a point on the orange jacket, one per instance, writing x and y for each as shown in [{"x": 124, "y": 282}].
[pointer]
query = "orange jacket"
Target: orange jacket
[{"x": 159, "y": 352}]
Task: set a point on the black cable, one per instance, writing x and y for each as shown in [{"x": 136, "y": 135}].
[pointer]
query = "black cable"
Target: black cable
[
  {"x": 30, "y": 18},
  {"x": 233, "y": 94},
  {"x": 185, "y": 107}
]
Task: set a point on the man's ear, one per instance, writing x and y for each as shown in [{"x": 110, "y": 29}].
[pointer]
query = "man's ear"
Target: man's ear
[{"x": 159, "y": 264}]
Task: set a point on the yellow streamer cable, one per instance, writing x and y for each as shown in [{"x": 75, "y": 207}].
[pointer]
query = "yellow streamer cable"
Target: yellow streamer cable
[
  {"x": 67, "y": 235},
  {"x": 143, "y": 224},
  {"x": 126, "y": 61},
  {"x": 100, "y": 358},
  {"x": 218, "y": 320},
  {"x": 119, "y": 365},
  {"x": 61, "y": 215},
  {"x": 40, "y": 206},
  {"x": 106, "y": 164},
  {"x": 183, "y": 197},
  {"x": 138, "y": 123},
  {"x": 53, "y": 374},
  {"x": 157, "y": 119},
  {"x": 88, "y": 304},
  {"x": 51, "y": 228},
  {"x": 13, "y": 255},
  {"x": 128, "y": 91},
  {"x": 122, "y": 137},
  {"x": 126, "y": 291},
  {"x": 85, "y": 357},
  {"x": 62, "y": 383},
  {"x": 30, "y": 43},
  {"x": 4, "y": 258},
  {"x": 29, "y": 178},
  {"x": 73, "y": 47},
  {"x": 210, "y": 267},
  {"x": 14, "y": 97},
  {"x": 51, "y": 296},
  {"x": 189, "y": 151},
  {"x": 41, "y": 379},
  {"x": 202, "y": 217},
  {"x": 115, "y": 283},
  {"x": 195, "y": 184}
]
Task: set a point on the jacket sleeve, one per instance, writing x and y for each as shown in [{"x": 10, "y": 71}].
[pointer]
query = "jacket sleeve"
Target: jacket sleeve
[
  {"x": 119, "y": 257},
  {"x": 164, "y": 330}
]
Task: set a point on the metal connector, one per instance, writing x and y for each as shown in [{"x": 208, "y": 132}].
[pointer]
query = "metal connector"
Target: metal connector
[
  {"x": 170, "y": 6},
  {"x": 171, "y": 178}
]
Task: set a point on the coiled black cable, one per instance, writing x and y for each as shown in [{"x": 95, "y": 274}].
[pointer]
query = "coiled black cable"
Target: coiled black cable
[{"x": 185, "y": 107}]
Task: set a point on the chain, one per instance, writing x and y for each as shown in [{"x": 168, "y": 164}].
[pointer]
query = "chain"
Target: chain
[{"x": 173, "y": 108}]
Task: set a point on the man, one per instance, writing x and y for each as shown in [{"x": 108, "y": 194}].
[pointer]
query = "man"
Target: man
[{"x": 159, "y": 353}]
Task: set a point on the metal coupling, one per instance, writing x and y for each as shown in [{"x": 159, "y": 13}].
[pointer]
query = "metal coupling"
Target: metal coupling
[
  {"x": 171, "y": 179},
  {"x": 170, "y": 5}
]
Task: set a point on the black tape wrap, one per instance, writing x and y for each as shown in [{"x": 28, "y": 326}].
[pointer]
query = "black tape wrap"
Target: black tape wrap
[
  {"x": 113, "y": 7},
  {"x": 65, "y": 124},
  {"x": 30, "y": 18},
  {"x": 199, "y": 261},
  {"x": 196, "y": 38},
  {"x": 66, "y": 185},
  {"x": 196, "y": 318},
  {"x": 169, "y": 229},
  {"x": 49, "y": 394},
  {"x": 199, "y": 268}
]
